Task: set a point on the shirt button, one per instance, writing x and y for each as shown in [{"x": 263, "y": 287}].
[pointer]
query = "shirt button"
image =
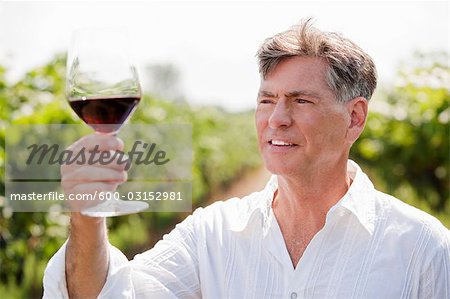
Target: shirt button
[{"x": 293, "y": 295}]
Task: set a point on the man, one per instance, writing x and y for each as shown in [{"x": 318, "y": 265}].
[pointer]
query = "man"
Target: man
[{"x": 318, "y": 230}]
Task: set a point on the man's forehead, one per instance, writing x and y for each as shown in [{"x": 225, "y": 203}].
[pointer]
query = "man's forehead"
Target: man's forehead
[{"x": 296, "y": 76}]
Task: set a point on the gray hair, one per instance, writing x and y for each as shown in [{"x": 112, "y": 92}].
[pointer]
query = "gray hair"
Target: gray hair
[{"x": 351, "y": 72}]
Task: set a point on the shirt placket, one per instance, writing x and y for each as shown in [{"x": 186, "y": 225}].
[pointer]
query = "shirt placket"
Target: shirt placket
[{"x": 307, "y": 269}]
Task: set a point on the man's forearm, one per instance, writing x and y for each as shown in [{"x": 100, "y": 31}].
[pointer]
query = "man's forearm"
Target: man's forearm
[{"x": 87, "y": 256}]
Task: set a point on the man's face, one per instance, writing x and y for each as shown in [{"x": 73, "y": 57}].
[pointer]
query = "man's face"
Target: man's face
[{"x": 301, "y": 127}]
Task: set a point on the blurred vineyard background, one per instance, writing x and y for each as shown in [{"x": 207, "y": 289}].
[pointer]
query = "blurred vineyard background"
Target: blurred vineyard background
[{"x": 404, "y": 149}]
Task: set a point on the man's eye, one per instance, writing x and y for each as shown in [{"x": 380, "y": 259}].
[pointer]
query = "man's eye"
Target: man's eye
[
  {"x": 265, "y": 101},
  {"x": 302, "y": 101}
]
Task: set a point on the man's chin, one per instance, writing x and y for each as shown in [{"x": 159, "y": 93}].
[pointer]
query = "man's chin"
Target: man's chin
[{"x": 281, "y": 170}]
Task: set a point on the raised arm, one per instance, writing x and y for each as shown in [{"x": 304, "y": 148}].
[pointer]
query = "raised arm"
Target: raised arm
[
  {"x": 87, "y": 266},
  {"x": 87, "y": 254}
]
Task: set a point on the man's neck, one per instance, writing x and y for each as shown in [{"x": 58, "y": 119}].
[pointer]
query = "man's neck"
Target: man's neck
[
  {"x": 309, "y": 196},
  {"x": 302, "y": 202}
]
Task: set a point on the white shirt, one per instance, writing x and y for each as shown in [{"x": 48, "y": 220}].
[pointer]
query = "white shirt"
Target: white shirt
[{"x": 372, "y": 246}]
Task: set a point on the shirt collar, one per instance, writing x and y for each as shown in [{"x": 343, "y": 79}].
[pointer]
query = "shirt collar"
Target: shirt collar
[
  {"x": 256, "y": 207},
  {"x": 359, "y": 201}
]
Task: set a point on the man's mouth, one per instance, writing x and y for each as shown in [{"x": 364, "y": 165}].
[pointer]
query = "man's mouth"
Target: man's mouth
[{"x": 281, "y": 143}]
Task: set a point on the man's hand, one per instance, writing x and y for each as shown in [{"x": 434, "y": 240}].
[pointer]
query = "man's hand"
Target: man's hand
[
  {"x": 87, "y": 249},
  {"x": 92, "y": 178}
]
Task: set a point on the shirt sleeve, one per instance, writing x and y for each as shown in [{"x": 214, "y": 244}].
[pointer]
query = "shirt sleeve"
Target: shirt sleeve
[
  {"x": 435, "y": 280},
  {"x": 169, "y": 270},
  {"x": 55, "y": 275}
]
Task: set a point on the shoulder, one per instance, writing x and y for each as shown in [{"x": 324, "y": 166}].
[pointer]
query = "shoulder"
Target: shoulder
[
  {"x": 210, "y": 222},
  {"x": 224, "y": 213},
  {"x": 410, "y": 223},
  {"x": 230, "y": 207}
]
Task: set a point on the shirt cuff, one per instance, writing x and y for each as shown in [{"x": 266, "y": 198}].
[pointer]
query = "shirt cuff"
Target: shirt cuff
[{"x": 118, "y": 281}]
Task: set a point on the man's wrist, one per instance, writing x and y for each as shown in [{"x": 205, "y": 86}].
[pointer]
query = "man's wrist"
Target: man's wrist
[{"x": 87, "y": 226}]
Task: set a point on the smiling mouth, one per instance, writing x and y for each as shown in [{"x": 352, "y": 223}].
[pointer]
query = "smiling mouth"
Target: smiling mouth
[{"x": 281, "y": 143}]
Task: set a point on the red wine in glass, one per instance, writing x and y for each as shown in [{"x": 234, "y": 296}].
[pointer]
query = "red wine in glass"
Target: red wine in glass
[{"x": 107, "y": 114}]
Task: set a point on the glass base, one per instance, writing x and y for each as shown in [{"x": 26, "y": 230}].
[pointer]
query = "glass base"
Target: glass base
[{"x": 114, "y": 208}]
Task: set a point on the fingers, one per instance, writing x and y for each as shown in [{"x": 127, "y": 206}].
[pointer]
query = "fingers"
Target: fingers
[
  {"x": 88, "y": 174},
  {"x": 96, "y": 149},
  {"x": 108, "y": 159},
  {"x": 98, "y": 167},
  {"x": 101, "y": 142}
]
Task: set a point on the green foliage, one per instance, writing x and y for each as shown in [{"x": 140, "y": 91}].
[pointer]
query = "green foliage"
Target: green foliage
[
  {"x": 27, "y": 240},
  {"x": 406, "y": 143}
]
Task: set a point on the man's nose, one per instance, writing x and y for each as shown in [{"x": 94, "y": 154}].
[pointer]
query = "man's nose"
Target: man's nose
[{"x": 281, "y": 116}]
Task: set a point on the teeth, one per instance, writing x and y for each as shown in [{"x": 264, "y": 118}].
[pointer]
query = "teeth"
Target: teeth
[{"x": 278, "y": 142}]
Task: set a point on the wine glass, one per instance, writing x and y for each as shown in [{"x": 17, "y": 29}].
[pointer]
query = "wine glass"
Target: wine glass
[{"x": 102, "y": 87}]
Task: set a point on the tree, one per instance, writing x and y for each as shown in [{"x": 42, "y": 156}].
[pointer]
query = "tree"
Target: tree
[{"x": 406, "y": 144}]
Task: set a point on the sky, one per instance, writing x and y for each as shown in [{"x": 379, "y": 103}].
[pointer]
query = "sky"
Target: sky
[{"x": 212, "y": 43}]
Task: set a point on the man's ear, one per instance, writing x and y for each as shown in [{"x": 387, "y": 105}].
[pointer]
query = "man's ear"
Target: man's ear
[{"x": 357, "y": 109}]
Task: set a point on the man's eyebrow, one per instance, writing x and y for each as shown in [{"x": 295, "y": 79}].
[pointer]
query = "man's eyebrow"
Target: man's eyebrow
[
  {"x": 268, "y": 94},
  {"x": 291, "y": 94},
  {"x": 299, "y": 93}
]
